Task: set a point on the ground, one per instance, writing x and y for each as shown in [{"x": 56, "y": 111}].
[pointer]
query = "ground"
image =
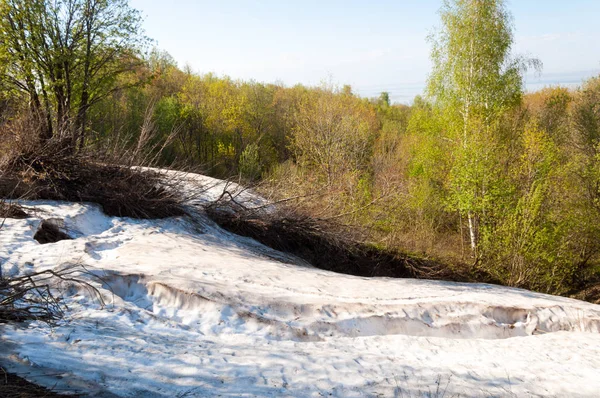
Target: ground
[{"x": 192, "y": 310}]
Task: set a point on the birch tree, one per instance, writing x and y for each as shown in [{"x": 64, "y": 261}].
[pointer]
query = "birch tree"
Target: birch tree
[{"x": 474, "y": 80}]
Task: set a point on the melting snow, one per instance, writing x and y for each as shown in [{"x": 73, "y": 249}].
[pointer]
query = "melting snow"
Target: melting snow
[{"x": 193, "y": 310}]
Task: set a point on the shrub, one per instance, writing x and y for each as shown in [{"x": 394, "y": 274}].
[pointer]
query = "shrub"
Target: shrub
[{"x": 249, "y": 164}]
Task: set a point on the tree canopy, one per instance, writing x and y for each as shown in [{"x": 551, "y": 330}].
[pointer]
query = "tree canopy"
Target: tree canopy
[
  {"x": 474, "y": 80},
  {"x": 66, "y": 55}
]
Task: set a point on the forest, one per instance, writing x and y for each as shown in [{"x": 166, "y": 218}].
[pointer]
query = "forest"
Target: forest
[{"x": 475, "y": 173}]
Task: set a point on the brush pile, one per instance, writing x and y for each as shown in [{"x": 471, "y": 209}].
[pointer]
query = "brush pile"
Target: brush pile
[
  {"x": 328, "y": 245},
  {"x": 11, "y": 210},
  {"x": 37, "y": 296},
  {"x": 52, "y": 173}
]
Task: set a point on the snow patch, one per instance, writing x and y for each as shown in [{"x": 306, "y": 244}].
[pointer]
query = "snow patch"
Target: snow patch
[{"x": 192, "y": 310}]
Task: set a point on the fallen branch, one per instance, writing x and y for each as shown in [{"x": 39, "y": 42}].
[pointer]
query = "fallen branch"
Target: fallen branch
[{"x": 34, "y": 296}]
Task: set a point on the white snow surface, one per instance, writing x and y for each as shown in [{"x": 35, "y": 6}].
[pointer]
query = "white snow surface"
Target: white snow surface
[{"x": 192, "y": 310}]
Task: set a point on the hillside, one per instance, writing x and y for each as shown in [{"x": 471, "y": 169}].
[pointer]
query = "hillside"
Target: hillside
[{"x": 193, "y": 310}]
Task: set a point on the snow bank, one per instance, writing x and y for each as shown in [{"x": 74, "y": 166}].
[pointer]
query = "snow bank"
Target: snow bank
[{"x": 196, "y": 311}]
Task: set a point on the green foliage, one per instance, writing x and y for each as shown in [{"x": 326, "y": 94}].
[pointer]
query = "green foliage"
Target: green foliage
[
  {"x": 473, "y": 82},
  {"x": 528, "y": 245},
  {"x": 587, "y": 116},
  {"x": 66, "y": 55},
  {"x": 384, "y": 99},
  {"x": 250, "y": 168},
  {"x": 332, "y": 134},
  {"x": 472, "y": 68}
]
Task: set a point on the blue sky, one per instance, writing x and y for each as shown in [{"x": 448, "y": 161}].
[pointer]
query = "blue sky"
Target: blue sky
[{"x": 373, "y": 45}]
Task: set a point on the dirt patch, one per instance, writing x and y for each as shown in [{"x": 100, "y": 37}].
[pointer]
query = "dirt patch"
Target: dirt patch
[
  {"x": 49, "y": 232},
  {"x": 13, "y": 386}
]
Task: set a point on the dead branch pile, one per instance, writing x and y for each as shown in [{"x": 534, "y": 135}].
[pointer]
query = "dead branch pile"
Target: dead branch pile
[
  {"x": 54, "y": 174},
  {"x": 11, "y": 210},
  {"x": 34, "y": 297},
  {"x": 326, "y": 245}
]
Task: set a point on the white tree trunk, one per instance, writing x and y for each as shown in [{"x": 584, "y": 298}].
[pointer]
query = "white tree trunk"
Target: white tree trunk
[{"x": 472, "y": 233}]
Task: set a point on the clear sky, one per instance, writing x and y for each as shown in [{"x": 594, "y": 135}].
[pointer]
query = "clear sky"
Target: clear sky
[{"x": 374, "y": 45}]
